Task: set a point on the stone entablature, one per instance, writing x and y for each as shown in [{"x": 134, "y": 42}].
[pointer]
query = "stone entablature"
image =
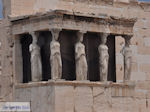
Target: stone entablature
[{"x": 73, "y": 21}]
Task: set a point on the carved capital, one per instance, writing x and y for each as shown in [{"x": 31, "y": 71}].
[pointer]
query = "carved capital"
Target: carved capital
[
  {"x": 34, "y": 36},
  {"x": 80, "y": 35},
  {"x": 127, "y": 40},
  {"x": 55, "y": 33},
  {"x": 104, "y": 37}
]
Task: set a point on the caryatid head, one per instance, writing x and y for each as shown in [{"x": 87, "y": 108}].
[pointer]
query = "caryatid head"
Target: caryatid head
[
  {"x": 80, "y": 35},
  {"x": 104, "y": 38},
  {"x": 127, "y": 40},
  {"x": 35, "y": 36},
  {"x": 55, "y": 34}
]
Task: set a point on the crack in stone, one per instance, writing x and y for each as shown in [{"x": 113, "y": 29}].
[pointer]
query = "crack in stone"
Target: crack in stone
[{"x": 98, "y": 94}]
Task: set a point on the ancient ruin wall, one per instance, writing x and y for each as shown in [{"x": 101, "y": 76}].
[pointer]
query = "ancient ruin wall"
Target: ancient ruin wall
[
  {"x": 140, "y": 41},
  {"x": 118, "y": 8},
  {"x": 6, "y": 62}
]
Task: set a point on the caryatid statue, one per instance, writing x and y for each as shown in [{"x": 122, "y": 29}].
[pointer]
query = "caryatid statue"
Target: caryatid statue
[
  {"x": 127, "y": 53},
  {"x": 81, "y": 63},
  {"x": 103, "y": 57},
  {"x": 36, "y": 66},
  {"x": 55, "y": 58}
]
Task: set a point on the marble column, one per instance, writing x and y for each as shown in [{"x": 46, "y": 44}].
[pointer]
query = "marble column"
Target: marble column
[
  {"x": 55, "y": 58},
  {"x": 103, "y": 57},
  {"x": 127, "y": 53},
  {"x": 80, "y": 57},
  {"x": 36, "y": 66}
]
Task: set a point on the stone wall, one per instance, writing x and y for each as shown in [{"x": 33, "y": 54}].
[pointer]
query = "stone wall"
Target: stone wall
[
  {"x": 6, "y": 8},
  {"x": 6, "y": 72},
  {"x": 62, "y": 96},
  {"x": 121, "y": 8},
  {"x": 141, "y": 55}
]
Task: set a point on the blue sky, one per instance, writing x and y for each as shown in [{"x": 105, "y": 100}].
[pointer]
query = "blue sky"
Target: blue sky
[
  {"x": 145, "y": 0},
  {"x": 1, "y": 6}
]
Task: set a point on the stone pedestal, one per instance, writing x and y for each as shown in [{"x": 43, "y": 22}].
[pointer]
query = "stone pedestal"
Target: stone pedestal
[{"x": 76, "y": 96}]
